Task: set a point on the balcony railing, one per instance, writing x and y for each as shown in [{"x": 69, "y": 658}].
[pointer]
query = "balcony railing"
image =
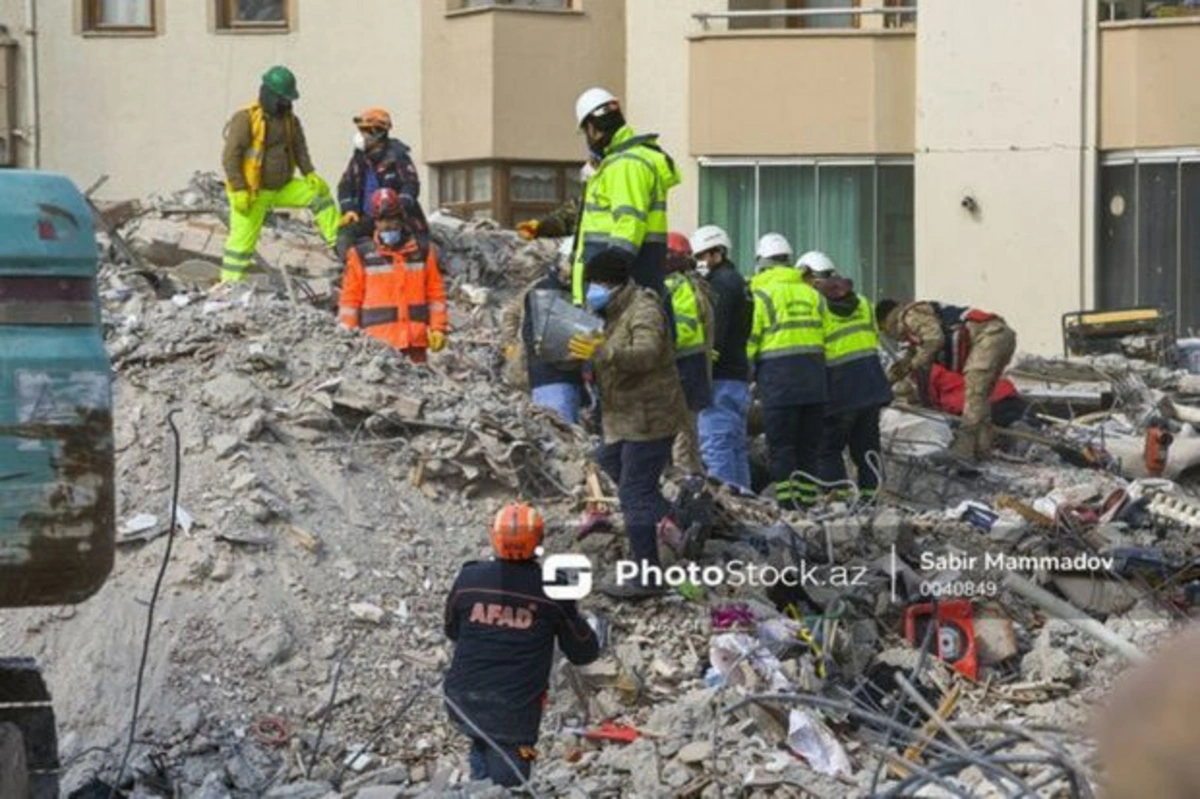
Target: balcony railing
[{"x": 704, "y": 17}]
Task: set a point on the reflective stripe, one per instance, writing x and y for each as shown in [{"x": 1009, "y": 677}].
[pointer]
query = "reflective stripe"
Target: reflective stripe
[
  {"x": 622, "y": 244},
  {"x": 347, "y": 310},
  {"x": 659, "y": 205},
  {"x": 795, "y": 325},
  {"x": 379, "y": 316},
  {"x": 414, "y": 266},
  {"x": 230, "y": 266},
  {"x": 596, "y": 208},
  {"x": 377, "y": 269},
  {"x": 790, "y": 351},
  {"x": 436, "y": 307},
  {"x": 769, "y": 306},
  {"x": 418, "y": 313},
  {"x": 690, "y": 321},
  {"x": 628, "y": 210},
  {"x": 657, "y": 238},
  {"x": 842, "y": 332},
  {"x": 851, "y": 357},
  {"x": 235, "y": 254}
]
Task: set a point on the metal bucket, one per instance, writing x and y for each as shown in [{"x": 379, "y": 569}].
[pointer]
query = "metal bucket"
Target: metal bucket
[{"x": 555, "y": 322}]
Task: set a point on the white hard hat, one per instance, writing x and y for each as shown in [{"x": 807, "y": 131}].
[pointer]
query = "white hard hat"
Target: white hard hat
[
  {"x": 773, "y": 245},
  {"x": 590, "y": 100},
  {"x": 566, "y": 246},
  {"x": 817, "y": 262},
  {"x": 709, "y": 237}
]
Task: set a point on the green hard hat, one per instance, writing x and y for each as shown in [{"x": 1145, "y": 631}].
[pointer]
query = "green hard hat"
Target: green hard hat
[{"x": 282, "y": 82}]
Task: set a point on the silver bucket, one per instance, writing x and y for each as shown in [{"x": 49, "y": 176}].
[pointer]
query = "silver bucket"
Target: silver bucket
[{"x": 555, "y": 322}]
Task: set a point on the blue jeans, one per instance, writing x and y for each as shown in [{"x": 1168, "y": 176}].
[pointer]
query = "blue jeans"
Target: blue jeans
[
  {"x": 487, "y": 764},
  {"x": 562, "y": 398},
  {"x": 723, "y": 442}
]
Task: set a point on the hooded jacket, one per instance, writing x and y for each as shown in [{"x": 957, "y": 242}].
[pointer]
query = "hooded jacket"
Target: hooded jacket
[{"x": 624, "y": 217}]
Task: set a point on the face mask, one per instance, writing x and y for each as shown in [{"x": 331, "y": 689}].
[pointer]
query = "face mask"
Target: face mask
[
  {"x": 390, "y": 237},
  {"x": 360, "y": 142},
  {"x": 597, "y": 296},
  {"x": 702, "y": 269}
]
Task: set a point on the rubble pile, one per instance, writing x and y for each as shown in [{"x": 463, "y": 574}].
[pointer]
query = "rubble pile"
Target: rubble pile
[{"x": 330, "y": 490}]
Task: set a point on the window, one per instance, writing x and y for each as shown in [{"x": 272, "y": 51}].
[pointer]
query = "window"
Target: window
[
  {"x": 1149, "y": 231},
  {"x": 118, "y": 15},
  {"x": 784, "y": 20},
  {"x": 506, "y": 192},
  {"x": 252, "y": 14},
  {"x": 858, "y": 211},
  {"x": 1119, "y": 10},
  {"x": 459, "y": 5}
]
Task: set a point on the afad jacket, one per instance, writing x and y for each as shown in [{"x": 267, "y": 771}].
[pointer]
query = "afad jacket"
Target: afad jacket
[{"x": 395, "y": 296}]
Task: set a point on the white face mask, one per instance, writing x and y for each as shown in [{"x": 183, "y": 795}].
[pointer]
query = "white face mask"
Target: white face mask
[
  {"x": 702, "y": 269},
  {"x": 360, "y": 141}
]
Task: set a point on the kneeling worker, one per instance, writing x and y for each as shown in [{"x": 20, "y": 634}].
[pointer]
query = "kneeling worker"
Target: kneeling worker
[
  {"x": 504, "y": 628},
  {"x": 390, "y": 290}
]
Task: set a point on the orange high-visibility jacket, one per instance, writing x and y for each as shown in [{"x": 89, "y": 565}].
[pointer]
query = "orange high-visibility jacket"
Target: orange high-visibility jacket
[{"x": 393, "y": 295}]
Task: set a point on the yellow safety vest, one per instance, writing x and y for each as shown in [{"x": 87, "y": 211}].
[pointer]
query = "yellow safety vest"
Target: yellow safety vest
[
  {"x": 788, "y": 316},
  {"x": 252, "y": 161},
  {"x": 849, "y": 338},
  {"x": 689, "y": 327}
]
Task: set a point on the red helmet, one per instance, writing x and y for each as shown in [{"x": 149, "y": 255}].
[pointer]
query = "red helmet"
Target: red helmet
[
  {"x": 517, "y": 532},
  {"x": 386, "y": 203},
  {"x": 679, "y": 252}
]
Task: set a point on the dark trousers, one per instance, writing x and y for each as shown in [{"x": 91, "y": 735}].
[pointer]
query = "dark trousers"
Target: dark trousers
[
  {"x": 488, "y": 764},
  {"x": 636, "y": 466},
  {"x": 794, "y": 434},
  {"x": 859, "y": 430}
]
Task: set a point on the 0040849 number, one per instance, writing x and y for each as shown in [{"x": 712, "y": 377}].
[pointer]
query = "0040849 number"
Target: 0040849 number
[{"x": 965, "y": 589}]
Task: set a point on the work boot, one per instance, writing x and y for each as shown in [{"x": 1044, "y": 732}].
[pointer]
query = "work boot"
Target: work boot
[
  {"x": 594, "y": 521},
  {"x": 631, "y": 591}
]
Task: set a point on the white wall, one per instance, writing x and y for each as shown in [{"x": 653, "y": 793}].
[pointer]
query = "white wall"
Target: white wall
[
  {"x": 656, "y": 88},
  {"x": 149, "y": 111},
  {"x": 1001, "y": 118}
]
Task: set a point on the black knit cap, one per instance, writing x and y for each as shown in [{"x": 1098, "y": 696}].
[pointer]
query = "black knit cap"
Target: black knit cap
[{"x": 606, "y": 267}]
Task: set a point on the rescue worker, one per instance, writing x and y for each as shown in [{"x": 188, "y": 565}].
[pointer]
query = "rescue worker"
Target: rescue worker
[
  {"x": 391, "y": 290},
  {"x": 978, "y": 344},
  {"x": 857, "y": 386},
  {"x": 693, "y": 346},
  {"x": 264, "y": 145},
  {"x": 641, "y": 405},
  {"x": 378, "y": 162},
  {"x": 722, "y": 425},
  {"x": 554, "y": 387},
  {"x": 787, "y": 350},
  {"x": 624, "y": 218},
  {"x": 563, "y": 220},
  {"x": 504, "y": 628}
]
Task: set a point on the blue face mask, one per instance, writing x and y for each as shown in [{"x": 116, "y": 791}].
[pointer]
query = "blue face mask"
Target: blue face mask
[
  {"x": 597, "y": 296},
  {"x": 390, "y": 237}
]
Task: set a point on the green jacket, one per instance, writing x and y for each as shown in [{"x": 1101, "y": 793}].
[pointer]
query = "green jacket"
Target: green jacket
[
  {"x": 625, "y": 210},
  {"x": 641, "y": 398},
  {"x": 280, "y": 159}
]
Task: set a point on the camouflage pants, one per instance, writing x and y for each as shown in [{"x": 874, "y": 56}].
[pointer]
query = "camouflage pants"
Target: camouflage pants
[{"x": 992, "y": 346}]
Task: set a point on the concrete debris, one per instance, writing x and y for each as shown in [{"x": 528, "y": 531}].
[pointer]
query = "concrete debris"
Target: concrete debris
[{"x": 339, "y": 487}]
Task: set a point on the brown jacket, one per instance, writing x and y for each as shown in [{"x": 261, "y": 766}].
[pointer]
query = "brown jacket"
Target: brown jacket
[
  {"x": 281, "y": 156},
  {"x": 641, "y": 398}
]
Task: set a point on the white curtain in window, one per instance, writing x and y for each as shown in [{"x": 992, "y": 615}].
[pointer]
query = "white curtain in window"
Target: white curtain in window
[
  {"x": 829, "y": 20},
  {"x": 125, "y": 13}
]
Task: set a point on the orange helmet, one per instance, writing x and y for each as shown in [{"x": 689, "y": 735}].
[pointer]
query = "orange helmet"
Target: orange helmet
[
  {"x": 373, "y": 118},
  {"x": 517, "y": 532}
]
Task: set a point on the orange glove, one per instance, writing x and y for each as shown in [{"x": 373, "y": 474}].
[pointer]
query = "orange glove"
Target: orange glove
[
  {"x": 437, "y": 341},
  {"x": 528, "y": 229},
  {"x": 349, "y": 218}
]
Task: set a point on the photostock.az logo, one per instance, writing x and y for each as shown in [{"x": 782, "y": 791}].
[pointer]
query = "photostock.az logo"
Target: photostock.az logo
[{"x": 576, "y": 569}]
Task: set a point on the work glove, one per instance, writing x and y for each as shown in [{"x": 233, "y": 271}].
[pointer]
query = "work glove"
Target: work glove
[
  {"x": 239, "y": 201},
  {"x": 437, "y": 341},
  {"x": 349, "y": 218},
  {"x": 316, "y": 183},
  {"x": 715, "y": 356},
  {"x": 899, "y": 370},
  {"x": 528, "y": 229},
  {"x": 583, "y": 347}
]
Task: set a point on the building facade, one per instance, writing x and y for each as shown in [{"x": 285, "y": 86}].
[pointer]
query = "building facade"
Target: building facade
[{"x": 1029, "y": 157}]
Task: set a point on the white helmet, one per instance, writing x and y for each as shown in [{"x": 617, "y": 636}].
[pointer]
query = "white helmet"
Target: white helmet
[
  {"x": 773, "y": 245},
  {"x": 709, "y": 237},
  {"x": 590, "y": 100},
  {"x": 816, "y": 262}
]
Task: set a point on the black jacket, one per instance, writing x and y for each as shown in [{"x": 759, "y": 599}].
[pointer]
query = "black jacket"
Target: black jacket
[
  {"x": 733, "y": 315},
  {"x": 540, "y": 372},
  {"x": 505, "y": 628},
  {"x": 394, "y": 169}
]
